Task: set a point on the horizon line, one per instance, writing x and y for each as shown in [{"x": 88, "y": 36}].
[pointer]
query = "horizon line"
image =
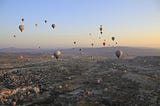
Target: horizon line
[{"x": 145, "y": 47}]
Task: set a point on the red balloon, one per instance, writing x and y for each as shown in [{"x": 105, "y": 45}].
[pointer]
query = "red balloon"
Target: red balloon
[{"x": 104, "y": 43}]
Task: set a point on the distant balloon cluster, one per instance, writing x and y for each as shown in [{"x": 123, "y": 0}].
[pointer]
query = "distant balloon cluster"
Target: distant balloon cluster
[
  {"x": 101, "y": 29},
  {"x": 57, "y": 54},
  {"x": 21, "y": 27}
]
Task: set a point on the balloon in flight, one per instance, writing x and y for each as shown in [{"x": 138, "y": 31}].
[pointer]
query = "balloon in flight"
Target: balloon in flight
[
  {"x": 119, "y": 53},
  {"x": 21, "y": 27},
  {"x": 92, "y": 44},
  {"x": 113, "y": 38},
  {"x": 36, "y": 25},
  {"x": 53, "y": 26},
  {"x": 104, "y": 43},
  {"x": 57, "y": 54},
  {"x": 22, "y": 19},
  {"x": 45, "y": 21},
  {"x": 101, "y": 29}
]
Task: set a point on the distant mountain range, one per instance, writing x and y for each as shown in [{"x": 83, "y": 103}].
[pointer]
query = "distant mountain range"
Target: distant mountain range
[
  {"x": 133, "y": 51},
  {"x": 21, "y": 50},
  {"x": 110, "y": 51}
]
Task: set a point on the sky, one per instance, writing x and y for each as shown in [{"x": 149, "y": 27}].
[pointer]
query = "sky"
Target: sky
[{"x": 132, "y": 22}]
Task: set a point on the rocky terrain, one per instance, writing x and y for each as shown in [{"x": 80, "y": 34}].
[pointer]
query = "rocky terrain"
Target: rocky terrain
[{"x": 80, "y": 81}]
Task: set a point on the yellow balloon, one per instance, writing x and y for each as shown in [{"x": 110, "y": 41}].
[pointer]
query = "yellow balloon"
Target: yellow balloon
[{"x": 21, "y": 27}]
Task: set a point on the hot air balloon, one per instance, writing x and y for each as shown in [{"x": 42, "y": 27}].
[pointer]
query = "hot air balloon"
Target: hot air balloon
[
  {"x": 92, "y": 44},
  {"x": 113, "y": 38},
  {"x": 57, "y": 54},
  {"x": 22, "y": 19},
  {"x": 45, "y": 21},
  {"x": 14, "y": 36},
  {"x": 21, "y": 27},
  {"x": 116, "y": 43},
  {"x": 119, "y": 53},
  {"x": 104, "y": 43},
  {"x": 36, "y": 25},
  {"x": 74, "y": 42},
  {"x": 101, "y": 29},
  {"x": 53, "y": 26}
]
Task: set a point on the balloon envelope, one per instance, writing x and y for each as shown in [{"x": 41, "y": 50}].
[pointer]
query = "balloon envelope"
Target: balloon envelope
[
  {"x": 119, "y": 53},
  {"x": 104, "y": 43},
  {"x": 92, "y": 44},
  {"x": 57, "y": 54},
  {"x": 113, "y": 38},
  {"x": 21, "y": 27},
  {"x": 36, "y": 25},
  {"x": 53, "y": 26},
  {"x": 101, "y": 29},
  {"x": 22, "y": 19}
]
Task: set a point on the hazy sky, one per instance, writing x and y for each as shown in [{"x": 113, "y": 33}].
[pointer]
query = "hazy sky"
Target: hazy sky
[{"x": 132, "y": 22}]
